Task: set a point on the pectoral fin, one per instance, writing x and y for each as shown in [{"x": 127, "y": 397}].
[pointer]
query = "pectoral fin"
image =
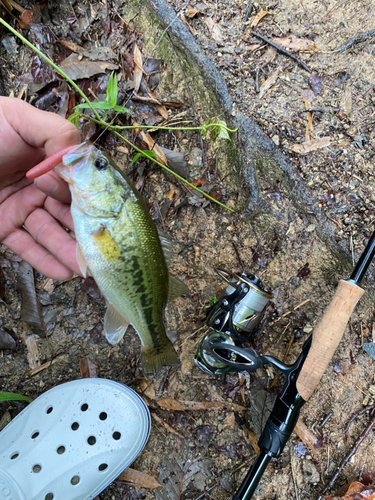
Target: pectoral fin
[
  {"x": 176, "y": 288},
  {"x": 167, "y": 245},
  {"x": 114, "y": 325},
  {"x": 82, "y": 262}
]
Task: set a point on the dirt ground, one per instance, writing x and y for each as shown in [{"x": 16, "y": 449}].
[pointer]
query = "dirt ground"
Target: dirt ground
[{"x": 205, "y": 454}]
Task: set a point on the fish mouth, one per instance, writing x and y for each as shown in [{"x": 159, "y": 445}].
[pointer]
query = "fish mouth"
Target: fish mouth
[{"x": 71, "y": 159}]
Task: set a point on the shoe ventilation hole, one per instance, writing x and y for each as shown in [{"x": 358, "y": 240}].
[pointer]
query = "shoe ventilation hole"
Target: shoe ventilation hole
[
  {"x": 91, "y": 440},
  {"x": 103, "y": 415},
  {"x": 60, "y": 450},
  {"x": 14, "y": 456},
  {"x": 49, "y": 409},
  {"x": 37, "y": 468},
  {"x": 75, "y": 480},
  {"x": 49, "y": 496},
  {"x": 35, "y": 435},
  {"x": 116, "y": 435},
  {"x": 84, "y": 407},
  {"x": 103, "y": 467},
  {"x": 75, "y": 426}
]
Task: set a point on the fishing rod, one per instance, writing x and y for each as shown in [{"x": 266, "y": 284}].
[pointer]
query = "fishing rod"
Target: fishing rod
[{"x": 218, "y": 353}]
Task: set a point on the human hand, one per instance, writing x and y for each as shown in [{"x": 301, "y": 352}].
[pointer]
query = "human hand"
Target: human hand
[{"x": 31, "y": 213}]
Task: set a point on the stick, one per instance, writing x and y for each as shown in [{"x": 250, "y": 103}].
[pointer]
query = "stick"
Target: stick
[
  {"x": 360, "y": 37},
  {"x": 283, "y": 51},
  {"x": 346, "y": 459},
  {"x": 247, "y": 15}
]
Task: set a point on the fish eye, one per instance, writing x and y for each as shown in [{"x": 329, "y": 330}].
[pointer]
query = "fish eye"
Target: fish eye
[{"x": 101, "y": 163}]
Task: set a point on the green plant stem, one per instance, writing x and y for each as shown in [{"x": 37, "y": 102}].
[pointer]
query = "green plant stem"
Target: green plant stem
[
  {"x": 153, "y": 127},
  {"x": 49, "y": 61},
  {"x": 173, "y": 173}
]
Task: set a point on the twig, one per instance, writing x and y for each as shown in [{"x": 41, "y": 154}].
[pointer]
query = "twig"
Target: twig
[
  {"x": 356, "y": 416},
  {"x": 238, "y": 255},
  {"x": 283, "y": 51},
  {"x": 346, "y": 459},
  {"x": 360, "y": 37},
  {"x": 247, "y": 15}
]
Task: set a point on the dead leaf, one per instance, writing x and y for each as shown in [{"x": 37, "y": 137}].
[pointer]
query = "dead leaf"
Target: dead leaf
[
  {"x": 258, "y": 18},
  {"x": 166, "y": 426},
  {"x": 316, "y": 82},
  {"x": 137, "y": 478},
  {"x": 356, "y": 491},
  {"x": 40, "y": 319},
  {"x": 174, "y": 404},
  {"x": 70, "y": 45},
  {"x": 191, "y": 11},
  {"x": 138, "y": 68},
  {"x": 88, "y": 367},
  {"x": 253, "y": 441},
  {"x": 268, "y": 56},
  {"x": 8, "y": 340},
  {"x": 271, "y": 80},
  {"x": 77, "y": 69},
  {"x": 214, "y": 29},
  {"x": 26, "y": 17},
  {"x": 308, "y": 437},
  {"x": 152, "y": 146},
  {"x": 313, "y": 145},
  {"x": 346, "y": 101},
  {"x": 300, "y": 44},
  {"x": 251, "y": 48}
]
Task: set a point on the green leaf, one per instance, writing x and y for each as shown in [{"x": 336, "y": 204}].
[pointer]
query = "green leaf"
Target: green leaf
[
  {"x": 138, "y": 155},
  {"x": 144, "y": 154},
  {"x": 74, "y": 118},
  {"x": 11, "y": 396},
  {"x": 96, "y": 105},
  {"x": 111, "y": 95},
  {"x": 219, "y": 131},
  {"x": 120, "y": 109}
]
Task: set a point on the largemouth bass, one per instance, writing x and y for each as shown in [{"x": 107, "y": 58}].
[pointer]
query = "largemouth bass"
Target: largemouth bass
[{"x": 119, "y": 245}]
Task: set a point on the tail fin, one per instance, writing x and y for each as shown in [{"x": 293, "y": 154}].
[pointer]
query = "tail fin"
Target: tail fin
[{"x": 154, "y": 359}]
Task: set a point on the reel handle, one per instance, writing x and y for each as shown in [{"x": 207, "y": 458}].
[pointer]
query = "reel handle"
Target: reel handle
[{"x": 327, "y": 335}]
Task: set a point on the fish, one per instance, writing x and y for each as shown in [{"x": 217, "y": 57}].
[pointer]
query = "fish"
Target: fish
[{"x": 119, "y": 245}]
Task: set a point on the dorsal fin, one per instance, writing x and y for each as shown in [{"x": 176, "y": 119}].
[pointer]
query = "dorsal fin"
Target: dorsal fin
[
  {"x": 167, "y": 245},
  {"x": 176, "y": 288}
]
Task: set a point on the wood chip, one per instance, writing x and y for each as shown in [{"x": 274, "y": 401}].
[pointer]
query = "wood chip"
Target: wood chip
[
  {"x": 271, "y": 80},
  {"x": 191, "y": 11},
  {"x": 258, "y": 18},
  {"x": 137, "y": 478},
  {"x": 300, "y": 44},
  {"x": 308, "y": 437},
  {"x": 174, "y": 404},
  {"x": 313, "y": 145},
  {"x": 346, "y": 101}
]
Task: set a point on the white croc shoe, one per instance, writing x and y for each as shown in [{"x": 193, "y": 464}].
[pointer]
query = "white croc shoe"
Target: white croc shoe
[{"x": 72, "y": 441}]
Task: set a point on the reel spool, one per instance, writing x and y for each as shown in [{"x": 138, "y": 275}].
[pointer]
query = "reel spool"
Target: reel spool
[{"x": 235, "y": 317}]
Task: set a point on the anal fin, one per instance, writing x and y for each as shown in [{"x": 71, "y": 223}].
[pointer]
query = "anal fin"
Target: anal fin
[{"x": 115, "y": 325}]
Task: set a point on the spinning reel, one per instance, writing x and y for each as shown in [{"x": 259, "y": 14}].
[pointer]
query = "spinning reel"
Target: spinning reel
[{"x": 235, "y": 317}]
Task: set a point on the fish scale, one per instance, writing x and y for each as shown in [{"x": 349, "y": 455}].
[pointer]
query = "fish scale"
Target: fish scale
[{"x": 119, "y": 244}]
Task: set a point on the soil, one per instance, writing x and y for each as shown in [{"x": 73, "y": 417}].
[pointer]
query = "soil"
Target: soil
[{"x": 210, "y": 451}]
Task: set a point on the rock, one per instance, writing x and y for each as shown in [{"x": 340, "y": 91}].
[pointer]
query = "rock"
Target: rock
[
  {"x": 196, "y": 163},
  {"x": 369, "y": 347}
]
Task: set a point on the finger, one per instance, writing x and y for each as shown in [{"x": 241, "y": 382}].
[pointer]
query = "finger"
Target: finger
[
  {"x": 54, "y": 186},
  {"x": 21, "y": 243},
  {"x": 48, "y": 233},
  {"x": 40, "y": 129},
  {"x": 18, "y": 207},
  {"x": 60, "y": 211}
]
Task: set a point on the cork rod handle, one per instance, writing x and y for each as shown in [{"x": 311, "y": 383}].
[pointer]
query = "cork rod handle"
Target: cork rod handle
[{"x": 327, "y": 335}]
